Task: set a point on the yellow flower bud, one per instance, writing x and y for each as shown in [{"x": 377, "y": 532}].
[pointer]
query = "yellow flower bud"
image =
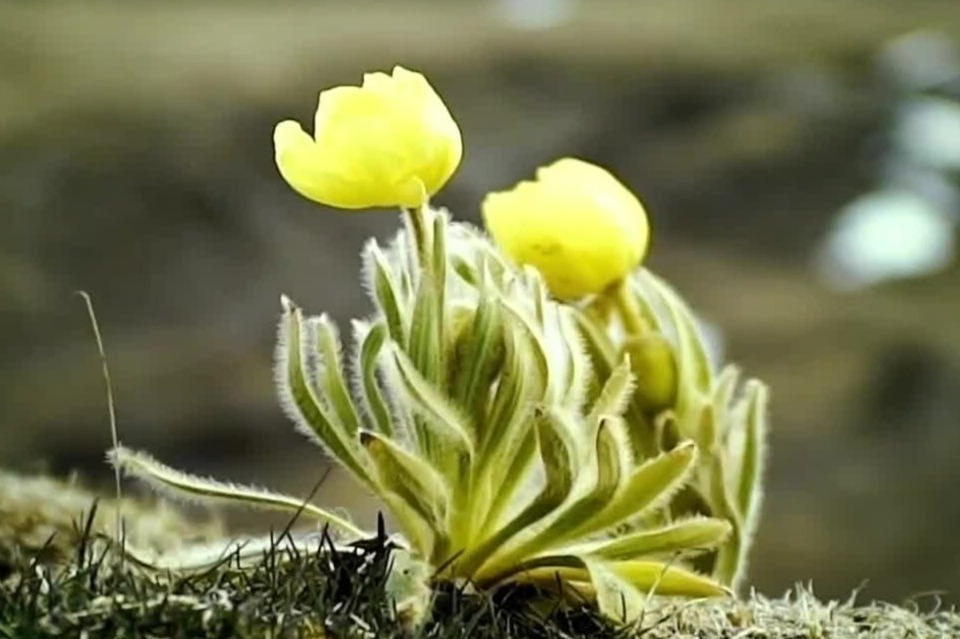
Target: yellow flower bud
[
  {"x": 654, "y": 365},
  {"x": 390, "y": 142},
  {"x": 575, "y": 223}
]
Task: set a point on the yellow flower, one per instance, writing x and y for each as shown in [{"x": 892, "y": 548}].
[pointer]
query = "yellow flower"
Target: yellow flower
[
  {"x": 390, "y": 142},
  {"x": 575, "y": 223}
]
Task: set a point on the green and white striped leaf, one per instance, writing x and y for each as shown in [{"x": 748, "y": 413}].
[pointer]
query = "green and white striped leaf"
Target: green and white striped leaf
[
  {"x": 691, "y": 535},
  {"x": 444, "y": 421},
  {"x": 187, "y": 487},
  {"x": 309, "y": 413},
  {"x": 425, "y": 347},
  {"x": 385, "y": 291},
  {"x": 650, "y": 485},
  {"x": 410, "y": 477},
  {"x": 558, "y": 454},
  {"x": 615, "y": 394},
  {"x": 326, "y": 337},
  {"x": 372, "y": 341},
  {"x": 665, "y": 579},
  {"x": 480, "y": 354}
]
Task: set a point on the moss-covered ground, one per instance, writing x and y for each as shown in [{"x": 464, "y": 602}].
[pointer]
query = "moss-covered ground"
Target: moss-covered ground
[{"x": 74, "y": 584}]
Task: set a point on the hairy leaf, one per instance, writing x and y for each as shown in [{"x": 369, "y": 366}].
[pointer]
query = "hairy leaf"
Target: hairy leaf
[
  {"x": 299, "y": 399},
  {"x": 189, "y": 487}
]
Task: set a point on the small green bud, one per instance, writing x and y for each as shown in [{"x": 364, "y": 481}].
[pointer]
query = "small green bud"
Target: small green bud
[{"x": 654, "y": 366}]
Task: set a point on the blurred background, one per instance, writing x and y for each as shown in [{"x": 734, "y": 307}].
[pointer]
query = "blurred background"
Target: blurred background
[{"x": 799, "y": 159}]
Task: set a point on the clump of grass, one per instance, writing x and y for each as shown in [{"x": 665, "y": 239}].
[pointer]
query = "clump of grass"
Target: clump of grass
[
  {"x": 344, "y": 591},
  {"x": 39, "y": 514}
]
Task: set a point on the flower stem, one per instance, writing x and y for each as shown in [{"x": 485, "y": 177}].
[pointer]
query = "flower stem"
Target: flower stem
[
  {"x": 628, "y": 309},
  {"x": 418, "y": 229}
]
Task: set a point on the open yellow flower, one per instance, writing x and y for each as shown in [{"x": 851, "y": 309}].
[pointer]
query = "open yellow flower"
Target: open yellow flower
[
  {"x": 575, "y": 223},
  {"x": 390, "y": 142}
]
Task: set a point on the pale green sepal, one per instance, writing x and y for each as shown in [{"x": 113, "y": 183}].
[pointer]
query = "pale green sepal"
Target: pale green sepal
[{"x": 693, "y": 364}]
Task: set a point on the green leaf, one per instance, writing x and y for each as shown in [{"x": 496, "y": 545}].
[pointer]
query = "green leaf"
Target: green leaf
[
  {"x": 615, "y": 394},
  {"x": 425, "y": 346},
  {"x": 602, "y": 352},
  {"x": 697, "y": 534},
  {"x": 652, "y": 484},
  {"x": 518, "y": 460},
  {"x": 189, "y": 487},
  {"x": 725, "y": 388},
  {"x": 327, "y": 340},
  {"x": 532, "y": 336},
  {"x": 705, "y": 429},
  {"x": 666, "y": 580},
  {"x": 748, "y": 492},
  {"x": 559, "y": 450},
  {"x": 576, "y": 514},
  {"x": 310, "y": 415},
  {"x": 480, "y": 352},
  {"x": 667, "y": 430},
  {"x": 467, "y": 271},
  {"x": 617, "y": 598},
  {"x": 518, "y": 387},
  {"x": 604, "y": 358},
  {"x": 409, "y": 477},
  {"x": 558, "y": 454},
  {"x": 573, "y": 394},
  {"x": 616, "y": 583},
  {"x": 729, "y": 560},
  {"x": 371, "y": 346},
  {"x": 609, "y": 474},
  {"x": 385, "y": 292},
  {"x": 444, "y": 422}
]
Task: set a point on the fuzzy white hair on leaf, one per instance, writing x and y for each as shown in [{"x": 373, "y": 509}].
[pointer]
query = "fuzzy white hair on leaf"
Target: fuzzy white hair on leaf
[{"x": 204, "y": 490}]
